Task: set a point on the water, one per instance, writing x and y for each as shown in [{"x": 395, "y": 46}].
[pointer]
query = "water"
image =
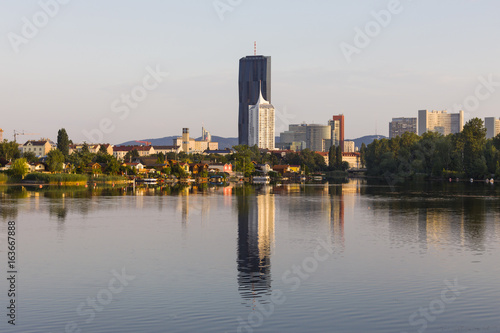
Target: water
[{"x": 357, "y": 257}]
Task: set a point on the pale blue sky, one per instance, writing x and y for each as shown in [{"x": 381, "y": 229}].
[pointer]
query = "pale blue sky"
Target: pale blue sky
[{"x": 91, "y": 52}]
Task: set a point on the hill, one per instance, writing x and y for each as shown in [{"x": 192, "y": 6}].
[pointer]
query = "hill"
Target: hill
[
  {"x": 230, "y": 142},
  {"x": 367, "y": 139}
]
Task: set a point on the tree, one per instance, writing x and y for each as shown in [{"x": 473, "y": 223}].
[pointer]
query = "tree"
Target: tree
[
  {"x": 63, "y": 142},
  {"x": 332, "y": 157},
  {"x": 112, "y": 167},
  {"x": 9, "y": 150},
  {"x": 55, "y": 160},
  {"x": 338, "y": 158},
  {"x": 30, "y": 157},
  {"x": 474, "y": 136},
  {"x": 103, "y": 150},
  {"x": 362, "y": 152},
  {"x": 160, "y": 158},
  {"x": 131, "y": 155},
  {"x": 19, "y": 168}
]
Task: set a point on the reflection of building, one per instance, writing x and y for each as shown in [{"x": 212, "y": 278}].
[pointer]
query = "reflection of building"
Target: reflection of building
[
  {"x": 255, "y": 239},
  {"x": 440, "y": 121}
]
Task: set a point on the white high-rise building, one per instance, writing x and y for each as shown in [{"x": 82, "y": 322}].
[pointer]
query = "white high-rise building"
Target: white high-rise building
[
  {"x": 492, "y": 127},
  {"x": 261, "y": 124},
  {"x": 440, "y": 121}
]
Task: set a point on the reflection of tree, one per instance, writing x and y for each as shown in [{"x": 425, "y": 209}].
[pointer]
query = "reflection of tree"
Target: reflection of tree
[{"x": 255, "y": 238}]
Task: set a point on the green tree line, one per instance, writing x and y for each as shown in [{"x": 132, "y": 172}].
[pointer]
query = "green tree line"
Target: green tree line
[{"x": 464, "y": 154}]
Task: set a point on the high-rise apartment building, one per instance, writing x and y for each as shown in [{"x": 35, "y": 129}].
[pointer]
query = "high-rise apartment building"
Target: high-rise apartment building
[
  {"x": 398, "y": 126},
  {"x": 492, "y": 127},
  {"x": 349, "y": 147},
  {"x": 254, "y": 77},
  {"x": 440, "y": 121},
  {"x": 337, "y": 129},
  {"x": 261, "y": 124}
]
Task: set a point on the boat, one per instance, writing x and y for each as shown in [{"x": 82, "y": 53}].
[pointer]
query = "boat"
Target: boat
[
  {"x": 150, "y": 181},
  {"x": 261, "y": 180}
]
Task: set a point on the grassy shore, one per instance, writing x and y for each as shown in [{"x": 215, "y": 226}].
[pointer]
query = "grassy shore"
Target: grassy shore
[
  {"x": 57, "y": 178},
  {"x": 3, "y": 178}
]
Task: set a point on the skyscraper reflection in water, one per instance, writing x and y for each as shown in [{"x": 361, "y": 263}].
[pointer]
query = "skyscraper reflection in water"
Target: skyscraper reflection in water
[{"x": 256, "y": 216}]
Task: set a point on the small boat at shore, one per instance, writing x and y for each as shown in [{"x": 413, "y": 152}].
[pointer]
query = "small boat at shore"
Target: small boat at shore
[{"x": 261, "y": 180}]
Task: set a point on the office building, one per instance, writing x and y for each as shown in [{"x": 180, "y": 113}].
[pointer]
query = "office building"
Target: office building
[
  {"x": 398, "y": 126},
  {"x": 349, "y": 147},
  {"x": 440, "y": 121},
  {"x": 337, "y": 129},
  {"x": 492, "y": 127},
  {"x": 318, "y": 137},
  {"x": 191, "y": 146},
  {"x": 254, "y": 76},
  {"x": 293, "y": 139},
  {"x": 261, "y": 124},
  {"x": 205, "y": 135}
]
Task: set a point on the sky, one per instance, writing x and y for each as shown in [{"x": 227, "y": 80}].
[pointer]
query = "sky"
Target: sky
[{"x": 177, "y": 61}]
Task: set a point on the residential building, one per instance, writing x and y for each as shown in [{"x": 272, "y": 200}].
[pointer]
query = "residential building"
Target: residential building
[
  {"x": 492, "y": 127},
  {"x": 337, "y": 128},
  {"x": 261, "y": 124},
  {"x": 398, "y": 126},
  {"x": 167, "y": 149},
  {"x": 41, "y": 148},
  {"x": 440, "y": 121},
  {"x": 137, "y": 166},
  {"x": 354, "y": 160},
  {"x": 318, "y": 137},
  {"x": 220, "y": 167},
  {"x": 254, "y": 76},
  {"x": 120, "y": 151},
  {"x": 93, "y": 148},
  {"x": 191, "y": 146},
  {"x": 222, "y": 152},
  {"x": 349, "y": 146}
]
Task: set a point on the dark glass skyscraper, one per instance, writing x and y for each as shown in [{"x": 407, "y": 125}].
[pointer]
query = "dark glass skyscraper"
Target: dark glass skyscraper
[{"x": 254, "y": 72}]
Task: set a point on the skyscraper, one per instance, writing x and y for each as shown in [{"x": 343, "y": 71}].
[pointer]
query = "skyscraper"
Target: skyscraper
[
  {"x": 492, "y": 127},
  {"x": 398, "y": 126},
  {"x": 337, "y": 124},
  {"x": 254, "y": 76},
  {"x": 440, "y": 121},
  {"x": 261, "y": 124}
]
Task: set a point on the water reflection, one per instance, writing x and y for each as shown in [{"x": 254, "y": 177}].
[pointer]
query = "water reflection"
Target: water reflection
[{"x": 256, "y": 217}]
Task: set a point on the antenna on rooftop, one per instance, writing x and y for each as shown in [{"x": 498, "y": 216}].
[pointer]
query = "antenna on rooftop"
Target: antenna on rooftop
[{"x": 255, "y": 48}]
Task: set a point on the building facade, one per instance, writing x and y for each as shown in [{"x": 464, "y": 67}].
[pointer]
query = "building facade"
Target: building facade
[
  {"x": 254, "y": 76},
  {"x": 1, "y": 135},
  {"x": 349, "y": 147},
  {"x": 492, "y": 127},
  {"x": 318, "y": 137},
  {"x": 398, "y": 126},
  {"x": 191, "y": 146},
  {"x": 337, "y": 129},
  {"x": 261, "y": 124},
  {"x": 440, "y": 121},
  {"x": 39, "y": 148}
]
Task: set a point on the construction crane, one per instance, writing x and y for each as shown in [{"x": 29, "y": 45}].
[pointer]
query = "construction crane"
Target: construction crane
[
  {"x": 22, "y": 133},
  {"x": 147, "y": 143}
]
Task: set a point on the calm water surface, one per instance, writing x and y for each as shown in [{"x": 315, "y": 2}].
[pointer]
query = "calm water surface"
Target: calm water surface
[{"x": 357, "y": 257}]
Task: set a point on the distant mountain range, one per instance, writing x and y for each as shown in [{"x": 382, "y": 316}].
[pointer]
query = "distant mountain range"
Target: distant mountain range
[{"x": 230, "y": 142}]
